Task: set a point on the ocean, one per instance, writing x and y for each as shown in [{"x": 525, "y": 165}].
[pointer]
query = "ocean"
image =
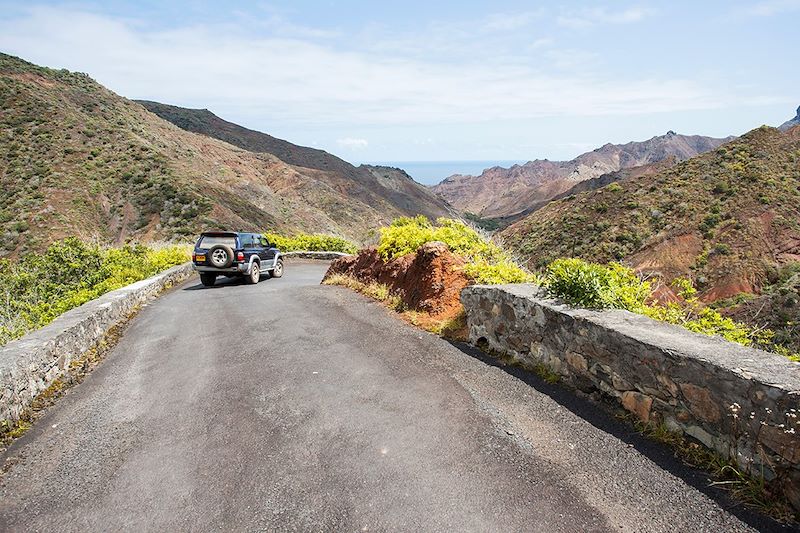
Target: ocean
[{"x": 432, "y": 172}]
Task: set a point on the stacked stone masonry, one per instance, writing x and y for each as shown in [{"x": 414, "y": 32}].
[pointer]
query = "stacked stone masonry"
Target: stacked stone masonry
[
  {"x": 743, "y": 403},
  {"x": 31, "y": 364},
  {"x": 320, "y": 256}
]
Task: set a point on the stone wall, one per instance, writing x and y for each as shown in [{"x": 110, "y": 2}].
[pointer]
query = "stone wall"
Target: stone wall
[
  {"x": 321, "y": 256},
  {"x": 30, "y": 364},
  {"x": 741, "y": 402}
]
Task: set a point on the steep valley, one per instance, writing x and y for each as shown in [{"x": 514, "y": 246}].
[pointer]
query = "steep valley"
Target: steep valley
[{"x": 78, "y": 160}]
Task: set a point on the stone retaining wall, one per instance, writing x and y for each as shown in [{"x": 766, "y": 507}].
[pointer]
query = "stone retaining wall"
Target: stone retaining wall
[
  {"x": 741, "y": 402},
  {"x": 30, "y": 364},
  {"x": 321, "y": 256}
]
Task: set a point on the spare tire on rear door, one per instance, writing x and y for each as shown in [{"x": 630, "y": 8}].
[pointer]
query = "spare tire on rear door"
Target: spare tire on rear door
[{"x": 220, "y": 256}]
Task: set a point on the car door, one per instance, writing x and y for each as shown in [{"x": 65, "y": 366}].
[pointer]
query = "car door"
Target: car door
[
  {"x": 248, "y": 246},
  {"x": 267, "y": 251}
]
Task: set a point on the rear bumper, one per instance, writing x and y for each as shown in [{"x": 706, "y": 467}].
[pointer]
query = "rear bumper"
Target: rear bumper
[{"x": 242, "y": 268}]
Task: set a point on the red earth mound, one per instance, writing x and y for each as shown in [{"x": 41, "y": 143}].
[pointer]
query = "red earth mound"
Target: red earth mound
[{"x": 429, "y": 280}]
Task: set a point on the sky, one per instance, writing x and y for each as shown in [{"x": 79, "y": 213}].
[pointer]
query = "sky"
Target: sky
[{"x": 435, "y": 81}]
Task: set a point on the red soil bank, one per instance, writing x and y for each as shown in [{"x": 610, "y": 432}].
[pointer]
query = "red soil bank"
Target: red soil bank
[{"x": 429, "y": 280}]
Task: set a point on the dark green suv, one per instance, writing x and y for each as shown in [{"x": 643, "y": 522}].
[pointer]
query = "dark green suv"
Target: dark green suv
[{"x": 234, "y": 254}]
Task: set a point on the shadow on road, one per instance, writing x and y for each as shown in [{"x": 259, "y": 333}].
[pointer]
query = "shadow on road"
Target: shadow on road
[
  {"x": 221, "y": 283},
  {"x": 603, "y": 419}
]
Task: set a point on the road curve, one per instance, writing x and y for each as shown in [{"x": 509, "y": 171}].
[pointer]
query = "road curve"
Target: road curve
[{"x": 297, "y": 407}]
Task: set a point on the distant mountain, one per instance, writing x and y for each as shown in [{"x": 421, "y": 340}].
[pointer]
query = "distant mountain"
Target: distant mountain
[
  {"x": 789, "y": 124},
  {"x": 506, "y": 192},
  {"x": 727, "y": 218},
  {"x": 584, "y": 186},
  {"x": 77, "y": 159},
  {"x": 408, "y": 193}
]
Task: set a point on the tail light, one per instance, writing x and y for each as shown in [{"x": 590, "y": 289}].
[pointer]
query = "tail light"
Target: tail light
[{"x": 240, "y": 256}]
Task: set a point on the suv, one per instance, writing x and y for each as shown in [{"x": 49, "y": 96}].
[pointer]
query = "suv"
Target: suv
[{"x": 232, "y": 254}]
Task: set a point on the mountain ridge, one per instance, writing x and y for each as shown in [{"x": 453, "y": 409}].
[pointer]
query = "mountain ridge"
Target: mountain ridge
[
  {"x": 792, "y": 122},
  {"x": 503, "y": 192}
]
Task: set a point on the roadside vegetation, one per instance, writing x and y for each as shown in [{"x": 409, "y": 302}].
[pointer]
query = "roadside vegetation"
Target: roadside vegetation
[
  {"x": 317, "y": 242},
  {"x": 39, "y": 287},
  {"x": 576, "y": 281},
  {"x": 615, "y": 286},
  {"x": 487, "y": 263}
]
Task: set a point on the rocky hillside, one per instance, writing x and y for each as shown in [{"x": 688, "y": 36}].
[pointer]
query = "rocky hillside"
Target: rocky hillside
[
  {"x": 726, "y": 218},
  {"x": 789, "y": 124},
  {"x": 408, "y": 193},
  {"x": 503, "y": 192},
  {"x": 77, "y": 159},
  {"x": 372, "y": 185}
]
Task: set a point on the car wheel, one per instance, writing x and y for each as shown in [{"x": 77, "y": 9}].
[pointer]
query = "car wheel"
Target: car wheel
[
  {"x": 255, "y": 274},
  {"x": 278, "y": 270},
  {"x": 208, "y": 279},
  {"x": 220, "y": 256}
]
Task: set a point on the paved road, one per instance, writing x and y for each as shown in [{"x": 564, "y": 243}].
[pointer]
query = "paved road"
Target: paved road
[{"x": 298, "y": 407}]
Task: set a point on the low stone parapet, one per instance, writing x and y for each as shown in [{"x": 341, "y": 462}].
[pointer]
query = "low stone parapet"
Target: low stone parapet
[
  {"x": 741, "y": 402},
  {"x": 320, "y": 256},
  {"x": 31, "y": 364}
]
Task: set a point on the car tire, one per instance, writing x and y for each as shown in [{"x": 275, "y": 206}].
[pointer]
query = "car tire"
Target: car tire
[
  {"x": 208, "y": 279},
  {"x": 277, "y": 272},
  {"x": 220, "y": 256},
  {"x": 255, "y": 274}
]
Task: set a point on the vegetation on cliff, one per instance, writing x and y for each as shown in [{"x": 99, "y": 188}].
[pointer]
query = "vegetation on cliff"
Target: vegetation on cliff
[{"x": 39, "y": 287}]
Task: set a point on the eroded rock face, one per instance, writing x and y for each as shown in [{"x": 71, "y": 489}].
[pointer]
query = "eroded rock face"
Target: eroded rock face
[
  {"x": 741, "y": 402},
  {"x": 429, "y": 280}
]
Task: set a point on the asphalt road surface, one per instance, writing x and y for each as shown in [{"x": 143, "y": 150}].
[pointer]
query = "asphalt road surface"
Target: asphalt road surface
[{"x": 292, "y": 406}]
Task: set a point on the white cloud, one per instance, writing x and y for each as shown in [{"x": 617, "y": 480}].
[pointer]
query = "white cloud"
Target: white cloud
[
  {"x": 352, "y": 144},
  {"x": 273, "y": 79},
  {"x": 542, "y": 43},
  {"x": 511, "y": 21},
  {"x": 769, "y": 8},
  {"x": 585, "y": 18}
]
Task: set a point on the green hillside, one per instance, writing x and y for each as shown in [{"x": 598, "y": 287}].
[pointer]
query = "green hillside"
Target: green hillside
[
  {"x": 726, "y": 218},
  {"x": 79, "y": 160}
]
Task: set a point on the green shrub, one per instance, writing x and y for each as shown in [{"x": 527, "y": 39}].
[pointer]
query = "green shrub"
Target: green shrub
[
  {"x": 41, "y": 286},
  {"x": 614, "y": 286},
  {"x": 405, "y": 235},
  {"x": 303, "y": 242},
  {"x": 486, "y": 262},
  {"x": 506, "y": 271},
  {"x": 596, "y": 286}
]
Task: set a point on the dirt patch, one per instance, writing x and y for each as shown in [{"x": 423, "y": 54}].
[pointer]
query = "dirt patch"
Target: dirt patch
[
  {"x": 670, "y": 258},
  {"x": 429, "y": 281},
  {"x": 30, "y": 77}
]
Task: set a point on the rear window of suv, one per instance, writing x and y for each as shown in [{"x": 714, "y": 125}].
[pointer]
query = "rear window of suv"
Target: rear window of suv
[{"x": 207, "y": 241}]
